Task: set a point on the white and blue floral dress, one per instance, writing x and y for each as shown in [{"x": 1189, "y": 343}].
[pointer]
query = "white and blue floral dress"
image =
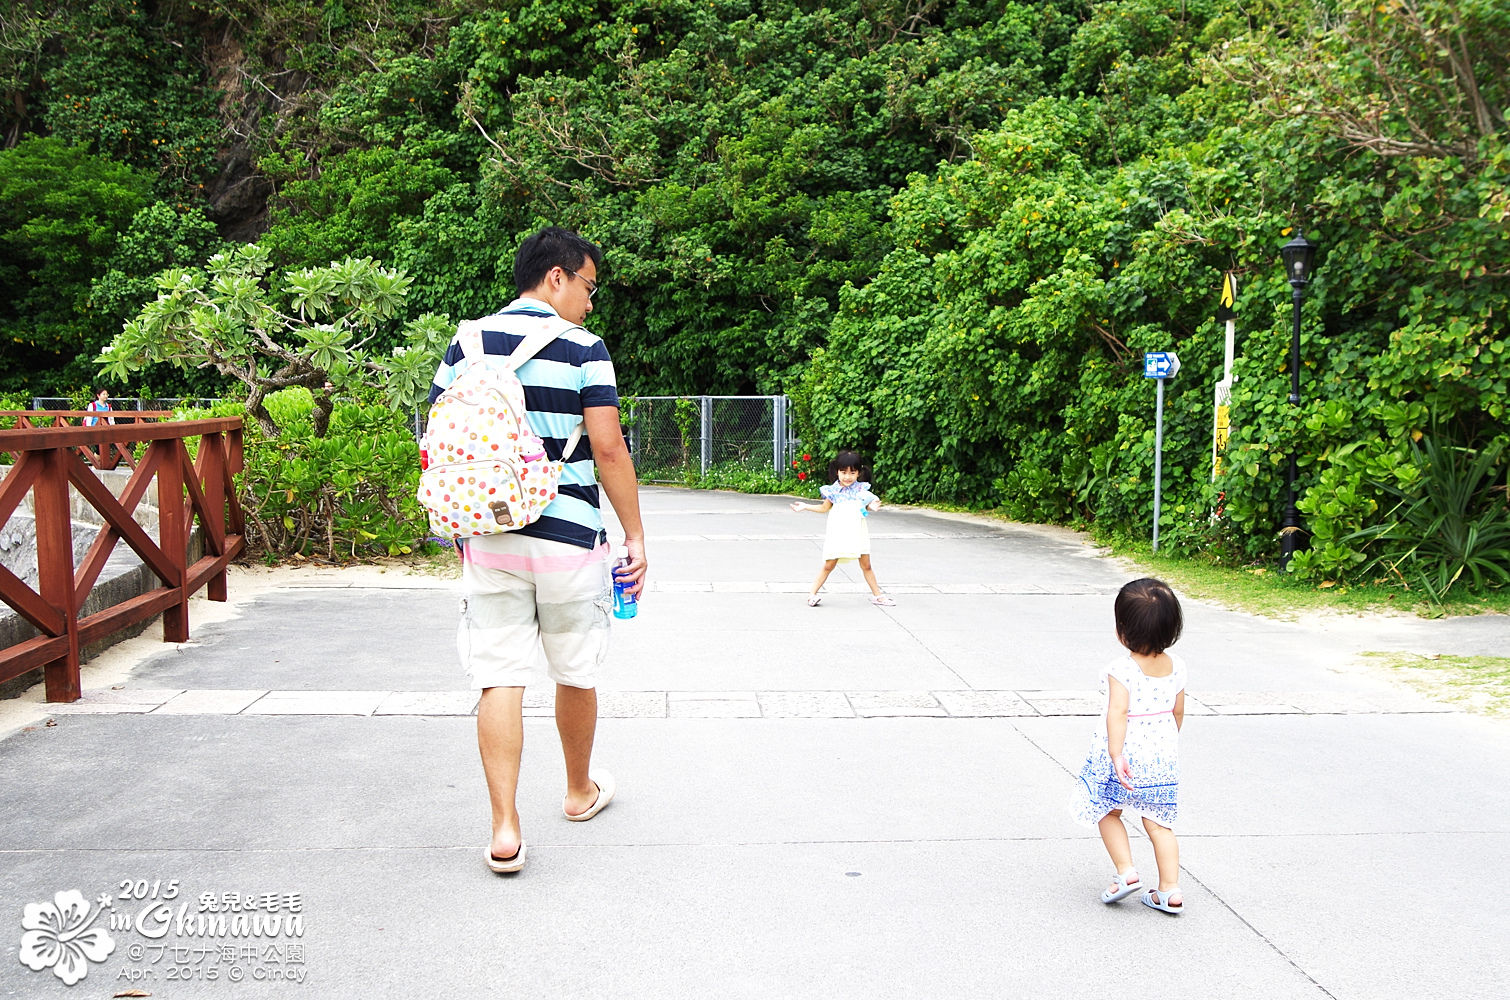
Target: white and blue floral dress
[
  {"x": 1152, "y": 747},
  {"x": 846, "y": 536}
]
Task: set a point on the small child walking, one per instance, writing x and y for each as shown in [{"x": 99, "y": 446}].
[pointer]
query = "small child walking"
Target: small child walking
[
  {"x": 1134, "y": 762},
  {"x": 847, "y": 500}
]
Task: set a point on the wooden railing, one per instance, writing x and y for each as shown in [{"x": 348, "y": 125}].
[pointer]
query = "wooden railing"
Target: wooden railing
[
  {"x": 46, "y": 462},
  {"x": 100, "y": 454}
]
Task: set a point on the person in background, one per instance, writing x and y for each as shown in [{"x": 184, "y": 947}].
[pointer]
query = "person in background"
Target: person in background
[{"x": 100, "y": 404}]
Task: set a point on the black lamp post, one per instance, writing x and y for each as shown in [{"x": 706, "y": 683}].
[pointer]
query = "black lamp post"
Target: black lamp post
[{"x": 1299, "y": 255}]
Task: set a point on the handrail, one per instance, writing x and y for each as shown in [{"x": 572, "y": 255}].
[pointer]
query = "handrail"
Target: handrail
[
  {"x": 95, "y": 449},
  {"x": 46, "y": 462}
]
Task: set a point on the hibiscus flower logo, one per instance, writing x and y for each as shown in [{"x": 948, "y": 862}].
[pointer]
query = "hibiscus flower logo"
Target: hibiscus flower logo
[{"x": 58, "y": 936}]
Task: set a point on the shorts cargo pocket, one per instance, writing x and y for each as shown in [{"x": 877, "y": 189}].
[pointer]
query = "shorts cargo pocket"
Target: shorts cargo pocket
[
  {"x": 464, "y": 638},
  {"x": 604, "y": 600}
]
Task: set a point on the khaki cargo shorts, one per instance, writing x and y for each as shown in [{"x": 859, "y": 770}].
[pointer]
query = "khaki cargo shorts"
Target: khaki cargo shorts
[{"x": 529, "y": 601}]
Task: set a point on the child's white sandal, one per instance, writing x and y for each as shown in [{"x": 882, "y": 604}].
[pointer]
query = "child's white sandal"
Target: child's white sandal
[
  {"x": 1127, "y": 884},
  {"x": 1160, "y": 900}
]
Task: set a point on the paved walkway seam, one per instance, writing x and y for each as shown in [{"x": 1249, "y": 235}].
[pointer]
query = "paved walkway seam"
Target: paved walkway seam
[{"x": 963, "y": 703}]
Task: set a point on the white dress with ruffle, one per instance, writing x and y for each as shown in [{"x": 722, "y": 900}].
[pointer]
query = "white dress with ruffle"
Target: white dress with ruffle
[
  {"x": 846, "y": 536},
  {"x": 1152, "y": 747}
]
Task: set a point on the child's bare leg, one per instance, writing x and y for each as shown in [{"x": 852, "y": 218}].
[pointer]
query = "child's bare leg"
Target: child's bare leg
[
  {"x": 1166, "y": 851},
  {"x": 870, "y": 577},
  {"x": 828, "y": 567},
  {"x": 1114, "y": 836}
]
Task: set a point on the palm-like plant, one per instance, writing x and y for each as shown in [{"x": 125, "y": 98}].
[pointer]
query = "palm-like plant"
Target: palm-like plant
[{"x": 1451, "y": 526}]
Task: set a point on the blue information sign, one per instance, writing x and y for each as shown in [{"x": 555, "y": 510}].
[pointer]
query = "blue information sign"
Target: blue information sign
[{"x": 1160, "y": 364}]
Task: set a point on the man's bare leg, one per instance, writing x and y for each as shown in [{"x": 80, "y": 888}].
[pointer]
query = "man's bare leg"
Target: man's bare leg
[
  {"x": 577, "y": 722},
  {"x": 500, "y": 741}
]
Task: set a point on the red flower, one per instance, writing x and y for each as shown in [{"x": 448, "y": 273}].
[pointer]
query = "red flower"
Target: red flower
[
  {"x": 794, "y": 463},
  {"x": 801, "y": 475},
  {"x": 807, "y": 458}
]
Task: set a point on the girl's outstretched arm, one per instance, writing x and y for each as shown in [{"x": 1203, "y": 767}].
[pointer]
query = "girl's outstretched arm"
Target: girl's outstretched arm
[
  {"x": 821, "y": 508},
  {"x": 1116, "y": 729}
]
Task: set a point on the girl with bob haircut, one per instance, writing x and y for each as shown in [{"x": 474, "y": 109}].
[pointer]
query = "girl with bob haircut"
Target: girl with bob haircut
[{"x": 1133, "y": 764}]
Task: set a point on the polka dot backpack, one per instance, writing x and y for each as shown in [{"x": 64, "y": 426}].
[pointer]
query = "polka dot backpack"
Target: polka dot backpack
[{"x": 485, "y": 470}]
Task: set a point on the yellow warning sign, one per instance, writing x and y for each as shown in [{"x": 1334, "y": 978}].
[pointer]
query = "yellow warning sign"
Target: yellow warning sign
[
  {"x": 1221, "y": 426},
  {"x": 1223, "y": 431},
  {"x": 1227, "y": 307}
]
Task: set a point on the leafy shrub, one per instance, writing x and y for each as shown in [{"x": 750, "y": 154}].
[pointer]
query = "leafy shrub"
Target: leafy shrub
[
  {"x": 12, "y": 401},
  {"x": 1450, "y": 525},
  {"x": 743, "y": 477},
  {"x": 747, "y": 479},
  {"x": 348, "y": 494},
  {"x": 314, "y": 328}
]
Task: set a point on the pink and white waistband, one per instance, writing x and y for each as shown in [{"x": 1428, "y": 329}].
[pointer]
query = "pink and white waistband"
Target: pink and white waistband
[{"x": 527, "y": 562}]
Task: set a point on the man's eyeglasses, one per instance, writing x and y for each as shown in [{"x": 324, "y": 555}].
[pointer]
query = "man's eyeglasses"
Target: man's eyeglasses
[{"x": 592, "y": 286}]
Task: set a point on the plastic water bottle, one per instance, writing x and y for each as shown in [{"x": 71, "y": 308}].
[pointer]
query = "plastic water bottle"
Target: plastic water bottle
[{"x": 624, "y": 605}]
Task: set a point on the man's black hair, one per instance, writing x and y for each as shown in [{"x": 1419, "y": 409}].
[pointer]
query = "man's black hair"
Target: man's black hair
[{"x": 551, "y": 247}]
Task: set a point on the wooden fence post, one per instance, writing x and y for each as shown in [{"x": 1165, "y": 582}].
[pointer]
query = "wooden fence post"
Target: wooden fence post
[
  {"x": 212, "y": 456},
  {"x": 172, "y": 535},
  {"x": 55, "y": 571}
]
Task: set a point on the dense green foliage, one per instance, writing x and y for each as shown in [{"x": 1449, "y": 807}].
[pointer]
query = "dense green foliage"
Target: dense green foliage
[
  {"x": 996, "y": 356},
  {"x": 313, "y": 327},
  {"x": 61, "y": 213},
  {"x": 948, "y": 229},
  {"x": 348, "y": 492}
]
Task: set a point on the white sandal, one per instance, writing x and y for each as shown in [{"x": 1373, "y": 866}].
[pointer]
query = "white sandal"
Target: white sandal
[
  {"x": 1161, "y": 900},
  {"x": 508, "y": 865},
  {"x": 1127, "y": 884},
  {"x": 606, "y": 788}
]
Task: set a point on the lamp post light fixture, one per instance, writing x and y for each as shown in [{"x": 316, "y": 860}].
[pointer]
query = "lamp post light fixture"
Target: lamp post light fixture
[{"x": 1300, "y": 257}]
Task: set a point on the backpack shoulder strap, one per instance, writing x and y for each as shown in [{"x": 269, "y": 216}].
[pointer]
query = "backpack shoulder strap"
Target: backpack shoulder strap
[
  {"x": 532, "y": 345},
  {"x": 469, "y": 335},
  {"x": 469, "y": 339},
  {"x": 535, "y": 342}
]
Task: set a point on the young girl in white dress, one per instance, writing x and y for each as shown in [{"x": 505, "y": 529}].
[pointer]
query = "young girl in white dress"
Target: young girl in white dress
[
  {"x": 847, "y": 501},
  {"x": 1134, "y": 762}
]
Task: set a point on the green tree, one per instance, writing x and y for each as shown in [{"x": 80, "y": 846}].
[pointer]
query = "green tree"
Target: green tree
[
  {"x": 310, "y": 328},
  {"x": 159, "y": 237},
  {"x": 62, "y": 211}
]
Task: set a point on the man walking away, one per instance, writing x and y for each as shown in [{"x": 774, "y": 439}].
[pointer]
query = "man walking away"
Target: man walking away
[{"x": 544, "y": 591}]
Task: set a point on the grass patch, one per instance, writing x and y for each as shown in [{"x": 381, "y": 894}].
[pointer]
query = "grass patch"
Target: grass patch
[
  {"x": 1264, "y": 591},
  {"x": 1478, "y": 683}
]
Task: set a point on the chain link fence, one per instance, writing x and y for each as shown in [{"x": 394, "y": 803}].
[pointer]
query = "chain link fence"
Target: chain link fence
[{"x": 670, "y": 436}]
